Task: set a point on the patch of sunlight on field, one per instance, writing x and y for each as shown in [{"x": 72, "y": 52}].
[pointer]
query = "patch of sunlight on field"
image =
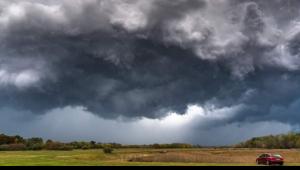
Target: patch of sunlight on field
[{"x": 142, "y": 157}]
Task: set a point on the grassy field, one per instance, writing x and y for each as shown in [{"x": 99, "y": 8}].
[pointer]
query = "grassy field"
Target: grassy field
[{"x": 143, "y": 157}]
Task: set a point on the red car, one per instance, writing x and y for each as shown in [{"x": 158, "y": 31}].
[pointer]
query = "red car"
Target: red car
[{"x": 270, "y": 159}]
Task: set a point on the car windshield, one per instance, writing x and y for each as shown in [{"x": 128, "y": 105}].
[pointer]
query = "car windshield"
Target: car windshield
[{"x": 277, "y": 156}]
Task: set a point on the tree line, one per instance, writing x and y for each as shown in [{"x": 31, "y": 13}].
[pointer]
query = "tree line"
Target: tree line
[
  {"x": 283, "y": 141},
  {"x": 18, "y": 143}
]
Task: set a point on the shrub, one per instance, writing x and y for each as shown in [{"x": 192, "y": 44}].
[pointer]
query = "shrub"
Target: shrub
[
  {"x": 4, "y": 147},
  {"x": 58, "y": 146},
  {"x": 17, "y": 147},
  {"x": 85, "y": 147},
  {"x": 35, "y": 147},
  {"x": 13, "y": 147},
  {"x": 108, "y": 150},
  {"x": 66, "y": 148}
]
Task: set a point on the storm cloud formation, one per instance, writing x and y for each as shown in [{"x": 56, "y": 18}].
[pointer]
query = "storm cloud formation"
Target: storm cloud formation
[{"x": 149, "y": 58}]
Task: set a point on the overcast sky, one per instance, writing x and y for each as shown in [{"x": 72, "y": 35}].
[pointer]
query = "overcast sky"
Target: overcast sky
[{"x": 209, "y": 72}]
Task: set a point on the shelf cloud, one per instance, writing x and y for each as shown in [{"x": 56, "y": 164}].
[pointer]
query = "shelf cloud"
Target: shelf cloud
[{"x": 145, "y": 59}]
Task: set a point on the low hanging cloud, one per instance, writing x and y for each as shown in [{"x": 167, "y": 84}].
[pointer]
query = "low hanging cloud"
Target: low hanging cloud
[
  {"x": 148, "y": 58},
  {"x": 69, "y": 124}
]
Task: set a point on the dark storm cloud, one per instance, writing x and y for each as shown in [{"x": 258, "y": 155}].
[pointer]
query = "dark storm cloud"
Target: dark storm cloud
[{"x": 145, "y": 58}]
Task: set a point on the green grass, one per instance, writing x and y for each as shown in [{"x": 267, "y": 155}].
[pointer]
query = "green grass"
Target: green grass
[{"x": 92, "y": 158}]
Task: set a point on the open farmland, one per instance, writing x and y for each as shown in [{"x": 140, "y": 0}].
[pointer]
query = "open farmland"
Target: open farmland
[{"x": 143, "y": 157}]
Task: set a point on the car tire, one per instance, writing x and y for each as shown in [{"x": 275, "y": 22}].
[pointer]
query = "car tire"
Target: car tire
[{"x": 257, "y": 162}]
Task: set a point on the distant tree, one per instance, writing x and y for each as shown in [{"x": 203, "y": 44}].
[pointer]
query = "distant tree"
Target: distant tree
[
  {"x": 4, "y": 139},
  {"x": 285, "y": 141},
  {"x": 34, "y": 144},
  {"x": 32, "y": 141},
  {"x": 75, "y": 145},
  {"x": 19, "y": 139},
  {"x": 49, "y": 141},
  {"x": 50, "y": 145},
  {"x": 298, "y": 143},
  {"x": 93, "y": 145},
  {"x": 156, "y": 146}
]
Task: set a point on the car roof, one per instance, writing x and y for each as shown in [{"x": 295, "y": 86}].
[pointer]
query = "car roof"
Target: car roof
[
  {"x": 271, "y": 154},
  {"x": 265, "y": 154},
  {"x": 276, "y": 154}
]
